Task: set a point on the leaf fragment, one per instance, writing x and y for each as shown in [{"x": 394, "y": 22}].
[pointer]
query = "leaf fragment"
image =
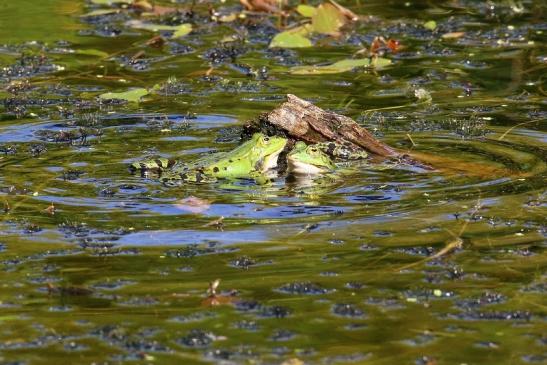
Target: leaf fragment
[
  {"x": 100, "y": 12},
  {"x": 350, "y": 15},
  {"x": 178, "y": 30},
  {"x": 453, "y": 35},
  {"x": 306, "y": 10},
  {"x": 152, "y": 9},
  {"x": 111, "y": 2},
  {"x": 133, "y": 95},
  {"x": 431, "y": 25},
  {"x": 266, "y": 6},
  {"x": 340, "y": 66},
  {"x": 327, "y": 19},
  {"x": 293, "y": 38},
  {"x": 91, "y": 52}
]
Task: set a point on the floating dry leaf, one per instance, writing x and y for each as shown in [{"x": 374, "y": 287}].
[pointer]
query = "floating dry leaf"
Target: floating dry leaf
[
  {"x": 215, "y": 300},
  {"x": 266, "y": 6},
  {"x": 143, "y": 5},
  {"x": 193, "y": 204},
  {"x": 50, "y": 210},
  {"x": 350, "y": 15},
  {"x": 156, "y": 42}
]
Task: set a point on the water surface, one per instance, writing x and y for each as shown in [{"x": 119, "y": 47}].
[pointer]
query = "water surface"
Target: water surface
[{"x": 348, "y": 271}]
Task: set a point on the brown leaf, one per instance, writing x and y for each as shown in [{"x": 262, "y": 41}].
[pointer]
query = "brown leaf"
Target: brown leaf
[
  {"x": 393, "y": 44},
  {"x": 163, "y": 10},
  {"x": 139, "y": 54},
  {"x": 50, "y": 210},
  {"x": 68, "y": 290},
  {"x": 350, "y": 15},
  {"x": 152, "y": 9},
  {"x": 142, "y": 5},
  {"x": 156, "y": 42},
  {"x": 215, "y": 300},
  {"x": 266, "y": 6}
]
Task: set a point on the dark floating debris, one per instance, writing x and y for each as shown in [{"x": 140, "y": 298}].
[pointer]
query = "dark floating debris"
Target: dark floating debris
[
  {"x": 243, "y": 262},
  {"x": 305, "y": 287},
  {"x": 197, "y": 338},
  {"x": 347, "y": 310},
  {"x": 194, "y": 250},
  {"x": 282, "y": 335},
  {"x": 474, "y": 315}
]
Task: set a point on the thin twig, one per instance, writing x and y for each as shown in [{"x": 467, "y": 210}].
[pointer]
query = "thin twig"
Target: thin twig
[{"x": 518, "y": 125}]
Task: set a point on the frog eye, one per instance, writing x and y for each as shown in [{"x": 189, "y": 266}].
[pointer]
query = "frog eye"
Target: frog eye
[{"x": 266, "y": 139}]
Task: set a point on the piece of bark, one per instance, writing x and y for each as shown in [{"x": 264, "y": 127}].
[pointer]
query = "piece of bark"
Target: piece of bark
[{"x": 304, "y": 121}]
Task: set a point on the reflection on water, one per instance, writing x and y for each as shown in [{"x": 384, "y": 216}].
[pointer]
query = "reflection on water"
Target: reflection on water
[{"x": 375, "y": 263}]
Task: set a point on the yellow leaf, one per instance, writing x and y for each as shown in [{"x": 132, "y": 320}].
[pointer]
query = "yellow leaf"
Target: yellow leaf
[
  {"x": 133, "y": 95},
  {"x": 327, "y": 19},
  {"x": 178, "y": 30},
  {"x": 306, "y": 10},
  {"x": 292, "y": 38},
  {"x": 340, "y": 66}
]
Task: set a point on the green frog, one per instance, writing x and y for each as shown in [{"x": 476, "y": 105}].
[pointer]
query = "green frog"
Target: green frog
[
  {"x": 252, "y": 159},
  {"x": 315, "y": 159},
  {"x": 308, "y": 160}
]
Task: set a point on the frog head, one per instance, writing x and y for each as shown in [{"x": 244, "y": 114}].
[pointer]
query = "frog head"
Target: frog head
[
  {"x": 308, "y": 160},
  {"x": 266, "y": 150}
]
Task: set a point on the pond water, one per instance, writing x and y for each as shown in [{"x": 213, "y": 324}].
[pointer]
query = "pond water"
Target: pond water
[{"x": 377, "y": 266}]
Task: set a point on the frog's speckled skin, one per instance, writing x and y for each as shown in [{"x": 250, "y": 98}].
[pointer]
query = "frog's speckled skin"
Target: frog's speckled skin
[{"x": 252, "y": 158}]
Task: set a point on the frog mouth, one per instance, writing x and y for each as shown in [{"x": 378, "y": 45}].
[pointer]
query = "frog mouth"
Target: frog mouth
[
  {"x": 270, "y": 162},
  {"x": 302, "y": 168}
]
